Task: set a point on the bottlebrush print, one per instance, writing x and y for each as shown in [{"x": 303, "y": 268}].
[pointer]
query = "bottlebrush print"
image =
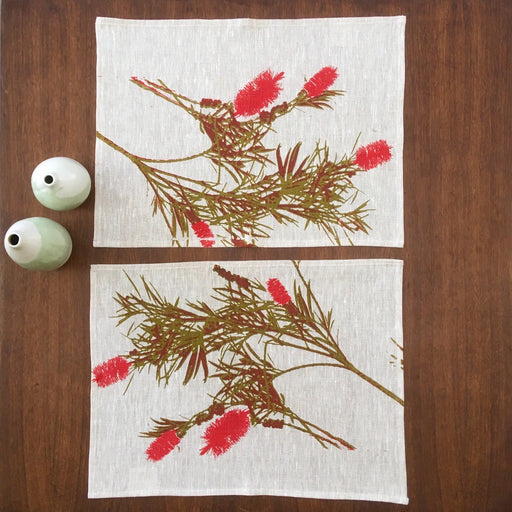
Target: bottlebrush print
[
  {"x": 229, "y": 340},
  {"x": 256, "y": 183}
]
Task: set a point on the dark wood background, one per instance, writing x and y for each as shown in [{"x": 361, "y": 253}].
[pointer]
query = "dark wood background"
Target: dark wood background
[{"x": 457, "y": 282}]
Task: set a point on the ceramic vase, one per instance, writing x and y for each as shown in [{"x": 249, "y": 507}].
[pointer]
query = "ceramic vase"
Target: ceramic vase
[
  {"x": 61, "y": 183},
  {"x": 38, "y": 243}
]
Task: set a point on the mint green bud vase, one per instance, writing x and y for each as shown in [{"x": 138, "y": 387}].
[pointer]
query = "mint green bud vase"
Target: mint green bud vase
[
  {"x": 38, "y": 243},
  {"x": 61, "y": 183}
]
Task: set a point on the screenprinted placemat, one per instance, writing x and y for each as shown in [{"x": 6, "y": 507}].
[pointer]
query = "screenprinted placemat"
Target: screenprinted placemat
[
  {"x": 249, "y": 132},
  {"x": 278, "y": 378}
]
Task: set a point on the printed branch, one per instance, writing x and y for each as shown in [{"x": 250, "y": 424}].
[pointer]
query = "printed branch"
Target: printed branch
[
  {"x": 230, "y": 341},
  {"x": 317, "y": 191}
]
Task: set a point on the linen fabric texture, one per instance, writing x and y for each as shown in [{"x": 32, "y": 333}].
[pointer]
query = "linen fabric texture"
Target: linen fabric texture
[
  {"x": 142, "y": 65},
  {"x": 301, "y": 393}
]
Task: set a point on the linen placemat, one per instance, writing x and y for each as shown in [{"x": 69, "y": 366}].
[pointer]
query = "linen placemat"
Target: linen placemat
[
  {"x": 249, "y": 132},
  {"x": 255, "y": 377}
]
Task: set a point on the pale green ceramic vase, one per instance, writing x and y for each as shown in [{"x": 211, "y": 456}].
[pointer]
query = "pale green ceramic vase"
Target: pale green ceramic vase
[
  {"x": 38, "y": 243},
  {"x": 61, "y": 183}
]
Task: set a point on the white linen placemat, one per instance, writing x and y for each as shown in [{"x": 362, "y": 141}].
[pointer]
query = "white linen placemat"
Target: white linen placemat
[
  {"x": 255, "y": 377},
  {"x": 249, "y": 132}
]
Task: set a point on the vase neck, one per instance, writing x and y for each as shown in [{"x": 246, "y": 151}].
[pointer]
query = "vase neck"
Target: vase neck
[
  {"x": 14, "y": 240},
  {"x": 49, "y": 180}
]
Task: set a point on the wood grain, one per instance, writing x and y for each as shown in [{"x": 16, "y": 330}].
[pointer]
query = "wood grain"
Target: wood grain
[{"x": 457, "y": 283}]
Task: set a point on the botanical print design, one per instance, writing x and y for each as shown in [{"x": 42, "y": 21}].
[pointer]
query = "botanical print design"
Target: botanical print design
[
  {"x": 251, "y": 182},
  {"x": 395, "y": 361},
  {"x": 229, "y": 340}
]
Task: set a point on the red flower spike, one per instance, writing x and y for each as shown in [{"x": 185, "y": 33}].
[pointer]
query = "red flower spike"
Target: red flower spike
[
  {"x": 258, "y": 93},
  {"x": 163, "y": 445},
  {"x": 204, "y": 233},
  {"x": 226, "y": 431},
  {"x": 373, "y": 155},
  {"x": 320, "y": 81},
  {"x": 278, "y": 291},
  {"x": 111, "y": 371}
]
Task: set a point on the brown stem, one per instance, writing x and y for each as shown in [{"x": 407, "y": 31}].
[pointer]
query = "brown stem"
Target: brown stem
[
  {"x": 374, "y": 383},
  {"x": 324, "y": 437},
  {"x": 353, "y": 369},
  {"x": 175, "y": 160},
  {"x": 310, "y": 365},
  {"x": 135, "y": 159}
]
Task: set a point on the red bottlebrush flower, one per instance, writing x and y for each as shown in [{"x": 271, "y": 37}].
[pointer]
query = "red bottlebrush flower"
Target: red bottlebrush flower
[
  {"x": 204, "y": 233},
  {"x": 258, "y": 93},
  {"x": 207, "y": 242},
  {"x": 163, "y": 445},
  {"x": 278, "y": 291},
  {"x": 320, "y": 81},
  {"x": 373, "y": 155},
  {"x": 226, "y": 431},
  {"x": 111, "y": 371},
  {"x": 202, "y": 229}
]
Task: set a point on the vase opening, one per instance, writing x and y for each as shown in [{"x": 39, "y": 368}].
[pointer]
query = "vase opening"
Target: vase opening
[
  {"x": 13, "y": 240},
  {"x": 48, "y": 179}
]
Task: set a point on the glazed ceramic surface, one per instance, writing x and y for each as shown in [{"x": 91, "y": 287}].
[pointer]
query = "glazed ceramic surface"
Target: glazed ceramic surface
[
  {"x": 38, "y": 243},
  {"x": 61, "y": 183}
]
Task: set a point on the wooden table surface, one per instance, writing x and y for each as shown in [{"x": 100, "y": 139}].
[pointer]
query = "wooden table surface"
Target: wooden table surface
[{"x": 457, "y": 277}]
